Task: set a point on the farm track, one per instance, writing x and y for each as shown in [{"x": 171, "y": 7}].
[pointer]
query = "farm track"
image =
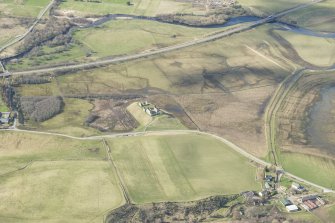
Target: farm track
[
  {"x": 219, "y": 35},
  {"x": 120, "y": 179},
  {"x": 21, "y": 37}
]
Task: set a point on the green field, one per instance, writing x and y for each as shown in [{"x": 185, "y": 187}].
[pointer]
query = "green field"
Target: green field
[
  {"x": 40, "y": 174},
  {"x": 165, "y": 122},
  {"x": 125, "y": 36},
  {"x": 70, "y": 121},
  {"x": 139, "y": 7},
  {"x": 181, "y": 167},
  {"x": 317, "y": 170},
  {"x": 315, "y": 50},
  {"x": 24, "y": 8},
  {"x": 64, "y": 180}
]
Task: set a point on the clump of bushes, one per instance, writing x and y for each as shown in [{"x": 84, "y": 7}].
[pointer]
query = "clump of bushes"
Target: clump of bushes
[
  {"x": 41, "y": 108},
  {"x": 31, "y": 80}
]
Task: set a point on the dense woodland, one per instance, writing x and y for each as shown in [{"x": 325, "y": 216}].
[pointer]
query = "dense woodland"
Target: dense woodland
[{"x": 41, "y": 108}]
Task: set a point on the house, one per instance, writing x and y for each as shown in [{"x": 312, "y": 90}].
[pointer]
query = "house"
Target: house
[
  {"x": 267, "y": 185},
  {"x": 292, "y": 208},
  {"x": 152, "y": 111},
  {"x": 4, "y": 120},
  {"x": 248, "y": 194},
  {"x": 297, "y": 187}
]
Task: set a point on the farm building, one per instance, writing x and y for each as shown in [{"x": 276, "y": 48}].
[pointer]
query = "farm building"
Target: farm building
[
  {"x": 286, "y": 202},
  {"x": 152, "y": 111},
  {"x": 4, "y": 120},
  {"x": 311, "y": 202},
  {"x": 292, "y": 208},
  {"x": 264, "y": 193},
  {"x": 4, "y": 117},
  {"x": 268, "y": 178},
  {"x": 297, "y": 187}
]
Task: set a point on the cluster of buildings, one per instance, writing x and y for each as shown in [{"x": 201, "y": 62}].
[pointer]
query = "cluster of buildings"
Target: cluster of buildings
[
  {"x": 301, "y": 201},
  {"x": 150, "y": 109},
  {"x": 294, "y": 199}
]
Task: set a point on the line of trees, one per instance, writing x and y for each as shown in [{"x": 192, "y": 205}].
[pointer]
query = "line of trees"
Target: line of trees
[{"x": 31, "y": 80}]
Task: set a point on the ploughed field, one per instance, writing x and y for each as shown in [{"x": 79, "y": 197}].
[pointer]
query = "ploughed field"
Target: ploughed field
[
  {"x": 182, "y": 167},
  {"x": 55, "y": 179}
]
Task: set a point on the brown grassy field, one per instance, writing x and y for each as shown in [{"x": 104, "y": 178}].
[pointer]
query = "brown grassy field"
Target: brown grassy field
[
  {"x": 189, "y": 82},
  {"x": 298, "y": 131},
  {"x": 305, "y": 133}
]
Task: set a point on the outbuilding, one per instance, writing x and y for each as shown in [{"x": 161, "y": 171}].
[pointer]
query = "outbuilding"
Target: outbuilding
[{"x": 292, "y": 208}]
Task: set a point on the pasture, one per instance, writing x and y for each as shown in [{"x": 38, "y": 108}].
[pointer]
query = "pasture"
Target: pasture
[
  {"x": 315, "y": 50},
  {"x": 183, "y": 71},
  {"x": 317, "y": 170},
  {"x": 197, "y": 77},
  {"x": 22, "y": 8},
  {"x": 265, "y": 7},
  {"x": 63, "y": 179},
  {"x": 70, "y": 121},
  {"x": 181, "y": 167},
  {"x": 319, "y": 17},
  {"x": 138, "y": 7},
  {"x": 125, "y": 36}
]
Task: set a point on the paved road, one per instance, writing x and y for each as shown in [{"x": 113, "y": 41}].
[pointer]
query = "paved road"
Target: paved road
[
  {"x": 173, "y": 133},
  {"x": 21, "y": 37},
  {"x": 229, "y": 32}
]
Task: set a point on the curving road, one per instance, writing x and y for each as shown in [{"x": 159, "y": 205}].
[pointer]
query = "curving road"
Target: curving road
[
  {"x": 173, "y": 133},
  {"x": 222, "y": 34}
]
